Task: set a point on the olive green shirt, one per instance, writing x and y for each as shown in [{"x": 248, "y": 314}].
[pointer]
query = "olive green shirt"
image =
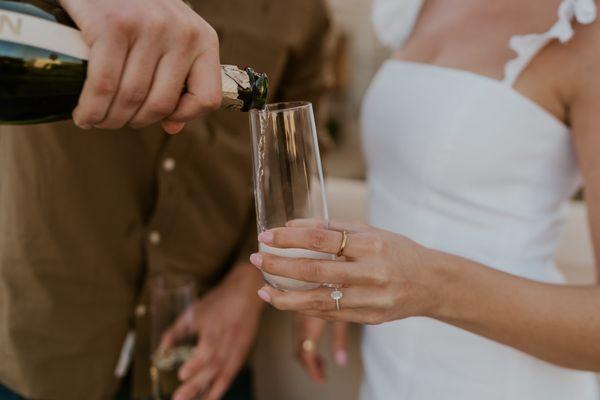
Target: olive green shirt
[{"x": 87, "y": 216}]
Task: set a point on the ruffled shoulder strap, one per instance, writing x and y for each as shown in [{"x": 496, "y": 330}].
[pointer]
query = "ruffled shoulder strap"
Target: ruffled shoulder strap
[
  {"x": 394, "y": 20},
  {"x": 528, "y": 46}
]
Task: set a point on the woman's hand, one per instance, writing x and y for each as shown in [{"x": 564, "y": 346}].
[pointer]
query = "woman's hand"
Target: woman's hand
[
  {"x": 308, "y": 332},
  {"x": 142, "y": 55},
  {"x": 383, "y": 276}
]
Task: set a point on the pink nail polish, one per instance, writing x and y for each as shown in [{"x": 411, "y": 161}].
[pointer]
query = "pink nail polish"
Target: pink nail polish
[
  {"x": 266, "y": 237},
  {"x": 256, "y": 259},
  {"x": 341, "y": 358},
  {"x": 263, "y": 294}
]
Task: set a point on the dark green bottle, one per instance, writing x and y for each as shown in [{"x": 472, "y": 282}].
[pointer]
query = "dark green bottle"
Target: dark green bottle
[{"x": 43, "y": 67}]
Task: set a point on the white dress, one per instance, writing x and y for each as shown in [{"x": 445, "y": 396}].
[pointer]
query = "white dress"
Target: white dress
[{"x": 467, "y": 165}]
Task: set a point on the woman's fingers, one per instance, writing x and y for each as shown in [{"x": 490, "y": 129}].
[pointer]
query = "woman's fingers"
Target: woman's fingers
[
  {"x": 339, "y": 343},
  {"x": 311, "y": 270},
  {"x": 331, "y": 225},
  {"x": 107, "y": 60},
  {"x": 321, "y": 240},
  {"x": 321, "y": 300},
  {"x": 362, "y": 316}
]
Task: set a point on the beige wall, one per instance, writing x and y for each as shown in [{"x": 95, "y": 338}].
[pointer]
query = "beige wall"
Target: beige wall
[{"x": 365, "y": 55}]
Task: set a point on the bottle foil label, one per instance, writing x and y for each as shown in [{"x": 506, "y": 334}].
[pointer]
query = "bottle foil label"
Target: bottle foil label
[{"x": 37, "y": 32}]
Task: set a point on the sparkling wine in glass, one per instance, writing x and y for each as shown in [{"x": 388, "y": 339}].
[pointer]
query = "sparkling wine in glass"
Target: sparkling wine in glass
[
  {"x": 172, "y": 336},
  {"x": 288, "y": 177}
]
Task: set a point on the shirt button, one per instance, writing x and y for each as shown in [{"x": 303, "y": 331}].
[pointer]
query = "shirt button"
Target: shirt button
[
  {"x": 140, "y": 311},
  {"x": 154, "y": 237},
  {"x": 169, "y": 164}
]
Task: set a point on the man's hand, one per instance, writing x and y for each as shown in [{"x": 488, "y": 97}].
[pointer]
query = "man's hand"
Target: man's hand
[
  {"x": 142, "y": 55},
  {"x": 226, "y": 320}
]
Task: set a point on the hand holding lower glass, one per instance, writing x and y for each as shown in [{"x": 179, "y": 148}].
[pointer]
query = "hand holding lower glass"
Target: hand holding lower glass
[{"x": 173, "y": 337}]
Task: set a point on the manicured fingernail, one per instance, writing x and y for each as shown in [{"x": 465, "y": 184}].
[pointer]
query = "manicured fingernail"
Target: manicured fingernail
[
  {"x": 256, "y": 259},
  {"x": 341, "y": 358},
  {"x": 263, "y": 294},
  {"x": 266, "y": 237}
]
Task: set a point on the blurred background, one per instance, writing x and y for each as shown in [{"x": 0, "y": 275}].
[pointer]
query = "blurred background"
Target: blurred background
[{"x": 357, "y": 57}]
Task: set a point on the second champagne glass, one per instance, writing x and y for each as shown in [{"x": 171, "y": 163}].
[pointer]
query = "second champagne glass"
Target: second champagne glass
[
  {"x": 173, "y": 337},
  {"x": 288, "y": 177}
]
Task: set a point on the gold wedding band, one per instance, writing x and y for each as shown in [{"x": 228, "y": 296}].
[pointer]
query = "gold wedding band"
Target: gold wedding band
[
  {"x": 340, "y": 252},
  {"x": 308, "y": 345}
]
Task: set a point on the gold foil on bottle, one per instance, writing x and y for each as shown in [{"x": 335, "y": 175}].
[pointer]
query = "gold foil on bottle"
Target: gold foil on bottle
[{"x": 233, "y": 79}]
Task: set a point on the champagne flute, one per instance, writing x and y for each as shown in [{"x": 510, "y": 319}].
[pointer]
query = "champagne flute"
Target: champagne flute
[
  {"x": 288, "y": 178},
  {"x": 173, "y": 337}
]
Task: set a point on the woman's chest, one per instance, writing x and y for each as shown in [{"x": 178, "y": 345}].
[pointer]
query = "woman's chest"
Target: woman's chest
[
  {"x": 423, "y": 123},
  {"x": 474, "y": 36}
]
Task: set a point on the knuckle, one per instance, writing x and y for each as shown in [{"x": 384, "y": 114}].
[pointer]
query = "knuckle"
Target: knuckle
[
  {"x": 123, "y": 22},
  {"x": 134, "y": 94},
  {"x": 160, "y": 107},
  {"x": 375, "y": 244},
  {"x": 379, "y": 278},
  {"x": 156, "y": 23},
  {"x": 388, "y": 302},
  {"x": 105, "y": 84},
  {"x": 309, "y": 271},
  {"x": 318, "y": 304},
  {"x": 208, "y": 34},
  {"x": 317, "y": 239},
  {"x": 189, "y": 35}
]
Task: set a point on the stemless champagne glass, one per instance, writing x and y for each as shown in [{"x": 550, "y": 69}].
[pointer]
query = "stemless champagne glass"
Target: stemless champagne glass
[
  {"x": 288, "y": 177},
  {"x": 172, "y": 335}
]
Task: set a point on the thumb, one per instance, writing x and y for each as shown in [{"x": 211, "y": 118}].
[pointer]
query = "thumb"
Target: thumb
[{"x": 339, "y": 343}]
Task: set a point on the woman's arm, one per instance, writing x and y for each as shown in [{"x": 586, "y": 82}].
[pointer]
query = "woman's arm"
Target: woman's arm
[
  {"x": 388, "y": 277},
  {"x": 559, "y": 324}
]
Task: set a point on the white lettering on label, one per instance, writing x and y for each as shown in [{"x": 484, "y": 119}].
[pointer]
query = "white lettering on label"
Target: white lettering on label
[{"x": 13, "y": 25}]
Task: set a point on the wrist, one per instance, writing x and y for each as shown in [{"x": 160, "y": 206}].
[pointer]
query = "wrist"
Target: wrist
[
  {"x": 442, "y": 279},
  {"x": 249, "y": 280}
]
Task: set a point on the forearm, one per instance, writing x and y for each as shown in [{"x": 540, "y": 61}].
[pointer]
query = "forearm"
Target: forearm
[
  {"x": 559, "y": 324},
  {"x": 249, "y": 280}
]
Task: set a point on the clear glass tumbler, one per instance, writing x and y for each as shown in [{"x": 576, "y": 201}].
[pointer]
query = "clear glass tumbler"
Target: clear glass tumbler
[
  {"x": 288, "y": 177},
  {"x": 172, "y": 336}
]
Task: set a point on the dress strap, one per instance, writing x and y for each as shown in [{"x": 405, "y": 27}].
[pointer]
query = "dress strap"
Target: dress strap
[{"x": 528, "y": 46}]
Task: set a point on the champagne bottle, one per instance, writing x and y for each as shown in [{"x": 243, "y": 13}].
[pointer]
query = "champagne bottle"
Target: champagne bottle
[{"x": 43, "y": 64}]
